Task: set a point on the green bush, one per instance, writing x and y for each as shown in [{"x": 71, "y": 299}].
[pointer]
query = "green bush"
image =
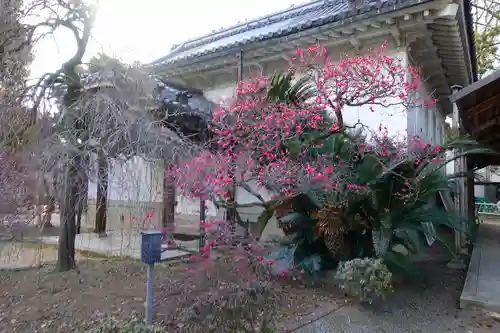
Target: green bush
[
  {"x": 365, "y": 278},
  {"x": 112, "y": 325}
]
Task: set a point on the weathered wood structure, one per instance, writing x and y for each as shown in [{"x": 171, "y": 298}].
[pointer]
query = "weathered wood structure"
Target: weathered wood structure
[
  {"x": 477, "y": 114},
  {"x": 479, "y": 108}
]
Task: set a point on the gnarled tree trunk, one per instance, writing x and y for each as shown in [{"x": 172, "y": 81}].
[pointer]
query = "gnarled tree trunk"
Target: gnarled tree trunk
[
  {"x": 169, "y": 202},
  {"x": 66, "y": 249},
  {"x": 102, "y": 195}
]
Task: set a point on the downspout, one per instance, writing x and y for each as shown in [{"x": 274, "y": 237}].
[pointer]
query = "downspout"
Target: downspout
[
  {"x": 465, "y": 5},
  {"x": 231, "y": 216}
]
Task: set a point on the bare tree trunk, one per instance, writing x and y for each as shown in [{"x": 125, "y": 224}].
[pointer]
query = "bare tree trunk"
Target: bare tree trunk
[
  {"x": 37, "y": 207},
  {"x": 102, "y": 195},
  {"x": 47, "y": 217},
  {"x": 82, "y": 201},
  {"x": 66, "y": 249},
  {"x": 48, "y": 204},
  {"x": 169, "y": 202}
]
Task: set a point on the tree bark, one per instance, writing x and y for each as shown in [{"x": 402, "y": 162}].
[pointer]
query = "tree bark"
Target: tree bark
[
  {"x": 82, "y": 200},
  {"x": 66, "y": 249},
  {"x": 169, "y": 202},
  {"x": 85, "y": 16},
  {"x": 102, "y": 195},
  {"x": 47, "y": 217}
]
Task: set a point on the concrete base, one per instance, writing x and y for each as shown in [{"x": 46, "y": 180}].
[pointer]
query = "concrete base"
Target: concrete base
[
  {"x": 130, "y": 216},
  {"x": 119, "y": 245},
  {"x": 482, "y": 285}
]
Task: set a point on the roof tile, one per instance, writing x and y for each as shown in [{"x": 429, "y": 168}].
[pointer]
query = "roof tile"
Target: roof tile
[{"x": 294, "y": 19}]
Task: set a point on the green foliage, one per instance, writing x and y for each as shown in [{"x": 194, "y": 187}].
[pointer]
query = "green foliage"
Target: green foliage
[
  {"x": 487, "y": 49},
  {"x": 401, "y": 265},
  {"x": 284, "y": 90},
  {"x": 112, "y": 325},
  {"x": 395, "y": 205},
  {"x": 393, "y": 209},
  {"x": 291, "y": 260},
  {"x": 365, "y": 278},
  {"x": 486, "y": 26},
  {"x": 300, "y": 252}
]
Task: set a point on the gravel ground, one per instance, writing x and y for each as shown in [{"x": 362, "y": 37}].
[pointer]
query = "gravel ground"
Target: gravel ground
[
  {"x": 412, "y": 309},
  {"x": 39, "y": 300}
]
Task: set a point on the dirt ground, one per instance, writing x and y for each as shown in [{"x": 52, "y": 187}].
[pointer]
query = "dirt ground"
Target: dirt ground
[{"x": 42, "y": 301}]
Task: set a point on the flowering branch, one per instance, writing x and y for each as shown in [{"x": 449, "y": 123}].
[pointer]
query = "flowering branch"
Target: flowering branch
[{"x": 279, "y": 144}]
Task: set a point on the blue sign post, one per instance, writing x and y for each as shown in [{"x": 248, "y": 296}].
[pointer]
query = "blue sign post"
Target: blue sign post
[
  {"x": 150, "y": 253},
  {"x": 152, "y": 248}
]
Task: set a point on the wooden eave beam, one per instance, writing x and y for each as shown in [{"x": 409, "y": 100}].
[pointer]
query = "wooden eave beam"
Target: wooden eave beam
[{"x": 484, "y": 105}]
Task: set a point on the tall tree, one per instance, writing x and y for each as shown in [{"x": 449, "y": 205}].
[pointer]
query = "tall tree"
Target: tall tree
[
  {"x": 15, "y": 56},
  {"x": 78, "y": 18},
  {"x": 487, "y": 31},
  {"x": 43, "y": 17}
]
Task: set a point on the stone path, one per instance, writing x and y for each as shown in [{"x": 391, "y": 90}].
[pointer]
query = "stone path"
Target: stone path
[
  {"x": 351, "y": 319},
  {"x": 482, "y": 286},
  {"x": 20, "y": 256},
  {"x": 118, "y": 244}
]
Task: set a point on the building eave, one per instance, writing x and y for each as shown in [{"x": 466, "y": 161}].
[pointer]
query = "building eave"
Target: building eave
[{"x": 355, "y": 17}]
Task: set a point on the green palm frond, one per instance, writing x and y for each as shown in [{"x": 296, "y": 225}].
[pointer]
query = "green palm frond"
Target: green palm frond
[{"x": 283, "y": 89}]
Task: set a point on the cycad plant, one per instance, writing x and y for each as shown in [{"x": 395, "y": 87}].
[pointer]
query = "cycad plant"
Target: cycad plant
[{"x": 383, "y": 197}]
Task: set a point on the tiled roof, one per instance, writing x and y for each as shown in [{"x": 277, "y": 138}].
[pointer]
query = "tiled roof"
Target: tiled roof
[
  {"x": 292, "y": 20},
  {"x": 186, "y": 101},
  {"x": 172, "y": 96}
]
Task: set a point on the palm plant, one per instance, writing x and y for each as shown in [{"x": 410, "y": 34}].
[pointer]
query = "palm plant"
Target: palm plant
[{"x": 392, "y": 209}]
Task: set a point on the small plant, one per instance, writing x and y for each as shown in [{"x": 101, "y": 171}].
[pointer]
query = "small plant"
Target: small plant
[
  {"x": 113, "y": 325},
  {"x": 364, "y": 278}
]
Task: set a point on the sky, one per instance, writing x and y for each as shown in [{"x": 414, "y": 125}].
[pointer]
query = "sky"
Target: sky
[{"x": 145, "y": 30}]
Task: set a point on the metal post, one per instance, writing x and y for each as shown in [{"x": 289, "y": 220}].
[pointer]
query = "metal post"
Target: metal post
[
  {"x": 240, "y": 69},
  {"x": 458, "y": 168},
  {"x": 201, "y": 241},
  {"x": 149, "y": 295},
  {"x": 231, "y": 216}
]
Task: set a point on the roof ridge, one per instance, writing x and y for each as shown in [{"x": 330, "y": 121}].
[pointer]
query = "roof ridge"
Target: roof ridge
[{"x": 283, "y": 14}]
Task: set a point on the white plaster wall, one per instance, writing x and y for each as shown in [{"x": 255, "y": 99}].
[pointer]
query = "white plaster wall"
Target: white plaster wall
[
  {"x": 488, "y": 175},
  {"x": 483, "y": 174},
  {"x": 494, "y": 177},
  {"x": 428, "y": 122},
  {"x": 395, "y": 119},
  {"x": 135, "y": 180},
  {"x": 479, "y": 191},
  {"x": 191, "y": 207},
  {"x": 450, "y": 167}
]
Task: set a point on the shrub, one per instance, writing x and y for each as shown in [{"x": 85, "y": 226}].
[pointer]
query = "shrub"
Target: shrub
[
  {"x": 236, "y": 309},
  {"x": 112, "y": 325},
  {"x": 364, "y": 278}
]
